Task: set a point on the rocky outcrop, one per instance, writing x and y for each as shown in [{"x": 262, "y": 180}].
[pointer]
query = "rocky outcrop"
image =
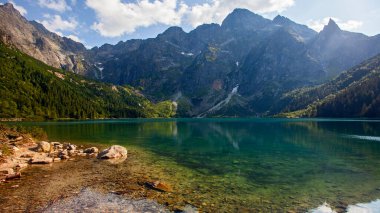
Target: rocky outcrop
[
  {"x": 42, "y": 152},
  {"x": 35, "y": 40}
]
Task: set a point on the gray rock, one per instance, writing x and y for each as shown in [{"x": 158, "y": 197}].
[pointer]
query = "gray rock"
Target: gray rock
[
  {"x": 55, "y": 143},
  {"x": 43, "y": 146},
  {"x": 69, "y": 146},
  {"x": 64, "y": 154},
  {"x": 41, "y": 160},
  {"x": 72, "y": 147},
  {"x": 114, "y": 152},
  {"x": 91, "y": 150}
]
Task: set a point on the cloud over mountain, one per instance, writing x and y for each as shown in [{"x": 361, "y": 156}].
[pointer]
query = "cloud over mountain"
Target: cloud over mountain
[
  {"x": 57, "y": 5},
  {"x": 217, "y": 10},
  {"x": 116, "y": 18},
  {"x": 56, "y": 23}
]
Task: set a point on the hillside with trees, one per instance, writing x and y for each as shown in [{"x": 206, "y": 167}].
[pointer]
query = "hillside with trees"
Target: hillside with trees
[
  {"x": 32, "y": 90},
  {"x": 354, "y": 93}
]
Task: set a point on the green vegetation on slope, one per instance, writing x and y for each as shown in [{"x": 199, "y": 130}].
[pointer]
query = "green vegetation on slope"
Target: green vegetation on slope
[
  {"x": 355, "y": 93},
  {"x": 32, "y": 90}
]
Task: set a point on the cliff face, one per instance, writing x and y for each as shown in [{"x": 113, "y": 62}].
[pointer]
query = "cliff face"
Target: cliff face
[{"x": 35, "y": 40}]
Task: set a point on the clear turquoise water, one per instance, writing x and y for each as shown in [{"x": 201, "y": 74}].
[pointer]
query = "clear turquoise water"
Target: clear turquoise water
[{"x": 278, "y": 164}]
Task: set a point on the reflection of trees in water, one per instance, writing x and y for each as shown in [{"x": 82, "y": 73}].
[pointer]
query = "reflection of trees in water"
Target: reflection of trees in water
[{"x": 332, "y": 138}]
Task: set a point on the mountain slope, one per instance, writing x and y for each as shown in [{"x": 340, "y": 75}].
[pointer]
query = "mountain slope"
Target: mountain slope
[
  {"x": 33, "y": 90},
  {"x": 278, "y": 65},
  {"x": 35, "y": 40},
  {"x": 339, "y": 50},
  {"x": 355, "y": 93},
  {"x": 262, "y": 58},
  {"x": 265, "y": 58}
]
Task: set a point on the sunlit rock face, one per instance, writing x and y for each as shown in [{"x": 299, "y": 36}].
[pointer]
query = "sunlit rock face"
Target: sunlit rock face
[{"x": 35, "y": 40}]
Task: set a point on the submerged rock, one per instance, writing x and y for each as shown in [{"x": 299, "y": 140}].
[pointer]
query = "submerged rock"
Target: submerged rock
[
  {"x": 114, "y": 152},
  {"x": 13, "y": 176},
  {"x": 160, "y": 186},
  {"x": 91, "y": 201}
]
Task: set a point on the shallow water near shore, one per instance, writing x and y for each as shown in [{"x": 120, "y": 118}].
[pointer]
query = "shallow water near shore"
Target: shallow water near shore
[{"x": 229, "y": 165}]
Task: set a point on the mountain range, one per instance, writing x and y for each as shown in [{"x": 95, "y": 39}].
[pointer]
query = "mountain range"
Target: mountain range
[{"x": 247, "y": 66}]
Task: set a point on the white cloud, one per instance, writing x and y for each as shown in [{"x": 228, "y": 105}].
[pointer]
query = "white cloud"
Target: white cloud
[
  {"x": 74, "y": 38},
  {"x": 349, "y": 25},
  {"x": 56, "y": 23},
  {"x": 116, "y": 18},
  {"x": 21, "y": 9},
  {"x": 73, "y": 2},
  {"x": 217, "y": 10},
  {"x": 58, "y": 5}
]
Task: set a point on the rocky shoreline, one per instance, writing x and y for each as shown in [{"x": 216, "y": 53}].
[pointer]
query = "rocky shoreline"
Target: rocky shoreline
[
  {"x": 21, "y": 155},
  {"x": 52, "y": 152},
  {"x": 21, "y": 150}
]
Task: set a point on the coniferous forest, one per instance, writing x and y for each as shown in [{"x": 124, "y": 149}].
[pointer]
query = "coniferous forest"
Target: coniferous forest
[{"x": 34, "y": 91}]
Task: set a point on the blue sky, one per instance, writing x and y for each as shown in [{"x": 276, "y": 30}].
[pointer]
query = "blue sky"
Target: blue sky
[{"x": 95, "y": 22}]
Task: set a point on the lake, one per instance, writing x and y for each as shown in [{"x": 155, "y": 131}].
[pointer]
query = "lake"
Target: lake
[{"x": 245, "y": 165}]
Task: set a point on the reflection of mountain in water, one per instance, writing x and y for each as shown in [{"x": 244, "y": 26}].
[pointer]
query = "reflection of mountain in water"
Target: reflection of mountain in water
[{"x": 312, "y": 161}]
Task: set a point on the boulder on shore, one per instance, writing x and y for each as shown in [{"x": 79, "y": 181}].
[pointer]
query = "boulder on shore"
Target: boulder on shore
[
  {"x": 41, "y": 160},
  {"x": 43, "y": 146},
  {"x": 114, "y": 152}
]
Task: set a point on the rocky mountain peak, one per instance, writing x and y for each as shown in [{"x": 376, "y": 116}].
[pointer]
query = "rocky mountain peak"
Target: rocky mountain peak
[
  {"x": 35, "y": 40},
  {"x": 331, "y": 27},
  {"x": 10, "y": 9},
  {"x": 172, "y": 32},
  {"x": 244, "y": 19},
  {"x": 8, "y": 6},
  {"x": 282, "y": 20}
]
